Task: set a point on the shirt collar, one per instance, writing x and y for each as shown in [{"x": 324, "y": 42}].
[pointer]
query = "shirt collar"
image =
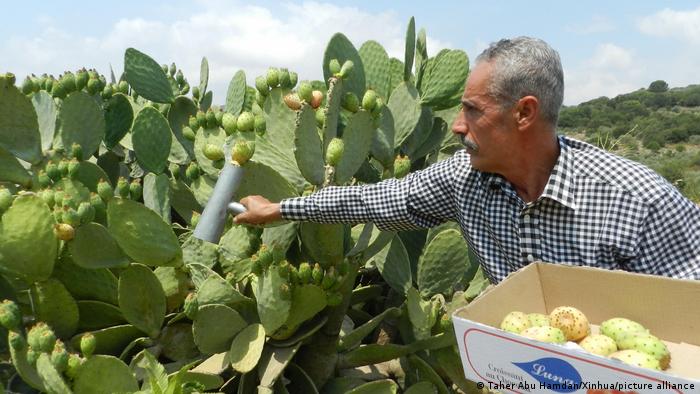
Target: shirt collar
[{"x": 560, "y": 185}]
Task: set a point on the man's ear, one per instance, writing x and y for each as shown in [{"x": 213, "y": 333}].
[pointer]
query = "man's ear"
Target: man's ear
[{"x": 527, "y": 111}]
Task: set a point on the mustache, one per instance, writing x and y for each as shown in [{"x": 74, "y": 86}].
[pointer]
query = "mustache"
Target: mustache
[{"x": 468, "y": 143}]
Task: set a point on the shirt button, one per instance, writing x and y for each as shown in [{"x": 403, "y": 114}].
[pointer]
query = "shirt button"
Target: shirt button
[
  {"x": 530, "y": 258},
  {"x": 526, "y": 218}
]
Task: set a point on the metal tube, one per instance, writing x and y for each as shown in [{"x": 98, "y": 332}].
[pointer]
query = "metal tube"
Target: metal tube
[{"x": 211, "y": 223}]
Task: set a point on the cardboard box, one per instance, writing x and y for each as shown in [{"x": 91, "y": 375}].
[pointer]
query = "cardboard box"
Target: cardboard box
[{"x": 506, "y": 362}]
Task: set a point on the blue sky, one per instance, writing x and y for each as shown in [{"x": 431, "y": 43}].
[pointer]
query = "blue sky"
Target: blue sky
[{"x": 607, "y": 48}]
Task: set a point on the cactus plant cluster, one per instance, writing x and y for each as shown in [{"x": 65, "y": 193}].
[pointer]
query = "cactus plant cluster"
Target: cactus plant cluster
[{"x": 102, "y": 182}]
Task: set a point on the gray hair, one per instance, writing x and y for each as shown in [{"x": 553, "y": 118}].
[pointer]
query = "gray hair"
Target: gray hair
[{"x": 526, "y": 66}]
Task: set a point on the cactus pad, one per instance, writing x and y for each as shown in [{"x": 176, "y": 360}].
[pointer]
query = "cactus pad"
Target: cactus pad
[
  {"x": 19, "y": 127},
  {"x": 151, "y": 137},
  {"x": 376, "y": 62},
  {"x": 94, "y": 247},
  {"x": 119, "y": 115},
  {"x": 104, "y": 375},
  {"x": 236, "y": 93},
  {"x": 357, "y": 138},
  {"x": 146, "y": 77},
  {"x": 308, "y": 150},
  {"x": 443, "y": 263},
  {"x": 273, "y": 307},
  {"x": 141, "y": 299},
  {"x": 246, "y": 348},
  {"x": 54, "y": 305},
  {"x": 406, "y": 109},
  {"x": 444, "y": 77},
  {"x": 215, "y": 327},
  {"x": 339, "y": 47}
]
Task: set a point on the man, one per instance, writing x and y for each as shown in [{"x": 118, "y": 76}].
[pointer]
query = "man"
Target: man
[{"x": 519, "y": 192}]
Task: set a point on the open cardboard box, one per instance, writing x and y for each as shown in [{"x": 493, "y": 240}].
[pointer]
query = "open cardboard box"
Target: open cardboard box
[{"x": 669, "y": 308}]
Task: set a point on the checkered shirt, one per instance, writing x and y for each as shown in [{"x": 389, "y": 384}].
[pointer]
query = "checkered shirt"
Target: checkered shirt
[{"x": 597, "y": 210}]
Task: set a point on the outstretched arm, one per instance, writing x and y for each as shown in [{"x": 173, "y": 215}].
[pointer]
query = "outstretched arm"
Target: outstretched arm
[{"x": 259, "y": 210}]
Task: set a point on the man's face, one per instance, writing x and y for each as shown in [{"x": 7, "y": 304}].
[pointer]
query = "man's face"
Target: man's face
[{"x": 485, "y": 129}]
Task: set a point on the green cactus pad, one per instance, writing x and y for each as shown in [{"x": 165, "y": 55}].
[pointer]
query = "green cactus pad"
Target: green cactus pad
[
  {"x": 215, "y": 136},
  {"x": 28, "y": 246},
  {"x": 246, "y": 348},
  {"x": 141, "y": 299},
  {"x": 75, "y": 189},
  {"x": 423, "y": 371},
  {"x": 215, "y": 327},
  {"x": 342, "y": 385},
  {"x": 307, "y": 301},
  {"x": 395, "y": 266},
  {"x": 355, "y": 337},
  {"x": 406, "y": 109},
  {"x": 420, "y": 134},
  {"x": 332, "y": 110},
  {"x": 178, "y": 342},
  {"x": 339, "y": 47},
  {"x": 156, "y": 194},
  {"x": 11, "y": 170},
  {"x": 383, "y": 141},
  {"x": 89, "y": 175},
  {"x": 194, "y": 250},
  {"x": 216, "y": 290},
  {"x": 280, "y": 237},
  {"x": 376, "y": 62},
  {"x": 119, "y": 115},
  {"x": 87, "y": 284},
  {"x": 444, "y": 77},
  {"x": 183, "y": 200},
  {"x": 386, "y": 386},
  {"x": 237, "y": 243},
  {"x": 202, "y": 188},
  {"x": 357, "y": 136},
  {"x": 421, "y": 57},
  {"x": 273, "y": 362},
  {"x": 19, "y": 126},
  {"x": 273, "y": 307},
  {"x": 111, "y": 340},
  {"x": 443, "y": 263},
  {"x": 142, "y": 234},
  {"x": 54, "y": 305},
  {"x": 82, "y": 122},
  {"x": 104, "y": 375},
  {"x": 18, "y": 356},
  {"x": 268, "y": 152},
  {"x": 434, "y": 140},
  {"x": 203, "y": 75},
  {"x": 46, "y": 113},
  {"x": 52, "y": 379},
  {"x": 95, "y": 315},
  {"x": 420, "y": 313},
  {"x": 236, "y": 93},
  {"x": 395, "y": 74},
  {"x": 324, "y": 242},
  {"x": 308, "y": 150},
  {"x": 410, "y": 49},
  {"x": 178, "y": 116},
  {"x": 146, "y": 77},
  {"x": 152, "y": 138},
  {"x": 263, "y": 180},
  {"x": 94, "y": 247},
  {"x": 175, "y": 284}
]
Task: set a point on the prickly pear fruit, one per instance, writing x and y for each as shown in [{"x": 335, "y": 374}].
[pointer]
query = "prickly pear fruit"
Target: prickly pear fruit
[
  {"x": 201, "y": 119},
  {"x": 647, "y": 343},
  {"x": 63, "y": 168},
  {"x": 53, "y": 172},
  {"x": 260, "y": 123},
  {"x": 211, "y": 119},
  {"x": 122, "y": 188},
  {"x": 538, "y": 319},
  {"x": 334, "y": 152},
  {"x": 369, "y": 100},
  {"x": 73, "y": 168},
  {"x": 261, "y": 85},
  {"x": 272, "y": 77},
  {"x": 41, "y": 338},
  {"x": 88, "y": 343},
  {"x": 571, "y": 321},
  {"x": 293, "y": 101},
  {"x": 16, "y": 341},
  {"x": 284, "y": 78},
  {"x": 305, "y": 92},
  {"x": 76, "y": 151},
  {"x": 68, "y": 82},
  {"x": 293, "y": 78},
  {"x": 213, "y": 152},
  {"x": 228, "y": 121},
  {"x": 304, "y": 273},
  {"x": 329, "y": 279},
  {"x": 192, "y": 171},
  {"x": 545, "y": 334},
  {"x": 195, "y": 218},
  {"x": 70, "y": 216},
  {"x": 598, "y": 344},
  {"x": 285, "y": 291},
  {"x": 402, "y": 165},
  {"x": 97, "y": 203},
  {"x": 188, "y": 133},
  {"x": 316, "y": 99},
  {"x": 135, "y": 189},
  {"x": 346, "y": 69},
  {"x": 10, "y": 315},
  {"x": 86, "y": 212},
  {"x": 93, "y": 85},
  {"x": 107, "y": 92},
  {"x": 193, "y": 123},
  {"x": 242, "y": 151},
  {"x": 47, "y": 195},
  {"x": 618, "y": 327},
  {"x": 334, "y": 299},
  {"x": 219, "y": 116},
  {"x": 245, "y": 122},
  {"x": 293, "y": 275},
  {"x": 59, "y": 356},
  {"x": 44, "y": 180},
  {"x": 32, "y": 356},
  {"x": 265, "y": 256},
  {"x": 515, "y": 322},
  {"x": 320, "y": 117},
  {"x": 104, "y": 190},
  {"x": 350, "y": 102},
  {"x": 334, "y": 66},
  {"x": 5, "y": 199},
  {"x": 635, "y": 357},
  {"x": 64, "y": 231},
  {"x": 317, "y": 274},
  {"x": 27, "y": 86},
  {"x": 191, "y": 306},
  {"x": 73, "y": 367}
]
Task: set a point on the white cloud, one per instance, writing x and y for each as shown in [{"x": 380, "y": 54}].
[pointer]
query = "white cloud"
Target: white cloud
[
  {"x": 609, "y": 71},
  {"x": 597, "y": 24},
  {"x": 251, "y": 38},
  {"x": 684, "y": 25}
]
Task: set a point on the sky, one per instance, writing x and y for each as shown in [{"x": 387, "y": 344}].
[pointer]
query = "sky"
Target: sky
[{"x": 606, "y": 47}]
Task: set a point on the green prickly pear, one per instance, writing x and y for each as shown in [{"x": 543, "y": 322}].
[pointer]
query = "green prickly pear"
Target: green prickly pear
[
  {"x": 538, "y": 319},
  {"x": 97, "y": 203},
  {"x": 58, "y": 195},
  {"x": 16, "y": 341},
  {"x": 316, "y": 99},
  {"x": 193, "y": 123},
  {"x": 637, "y": 358},
  {"x": 27, "y": 86},
  {"x": 285, "y": 291},
  {"x": 317, "y": 274},
  {"x": 104, "y": 190},
  {"x": 545, "y": 334},
  {"x": 284, "y": 78},
  {"x": 293, "y": 101},
  {"x": 334, "y": 67},
  {"x": 81, "y": 79},
  {"x": 122, "y": 189},
  {"x": 195, "y": 218},
  {"x": 63, "y": 168},
  {"x": 305, "y": 273},
  {"x": 188, "y": 133},
  {"x": 191, "y": 306},
  {"x": 70, "y": 216},
  {"x": 599, "y": 344},
  {"x": 123, "y": 87},
  {"x": 265, "y": 256},
  {"x": 73, "y": 168},
  {"x": 219, "y": 116},
  {"x": 59, "y": 356},
  {"x": 647, "y": 343},
  {"x": 10, "y": 315},
  {"x": 41, "y": 338},
  {"x": 255, "y": 267},
  {"x": 618, "y": 327},
  {"x": 305, "y": 92},
  {"x": 402, "y": 164},
  {"x": 58, "y": 216},
  {"x": 213, "y": 152},
  {"x": 88, "y": 343},
  {"x": 329, "y": 279},
  {"x": 272, "y": 77},
  {"x": 58, "y": 90},
  {"x": 68, "y": 82},
  {"x": 107, "y": 92},
  {"x": 53, "y": 172},
  {"x": 293, "y": 78},
  {"x": 334, "y": 152},
  {"x": 369, "y": 100},
  {"x": 201, "y": 119},
  {"x": 173, "y": 69},
  {"x": 195, "y": 92},
  {"x": 86, "y": 212},
  {"x": 261, "y": 85},
  {"x": 48, "y": 196},
  {"x": 293, "y": 275},
  {"x": 135, "y": 189},
  {"x": 44, "y": 180},
  {"x": 192, "y": 171},
  {"x": 211, "y": 119},
  {"x": 245, "y": 121},
  {"x": 346, "y": 69},
  {"x": 93, "y": 85},
  {"x": 260, "y": 124},
  {"x": 515, "y": 322},
  {"x": 320, "y": 117},
  {"x": 228, "y": 121},
  {"x": 242, "y": 151},
  {"x": 32, "y": 356},
  {"x": 179, "y": 77},
  {"x": 74, "y": 364},
  {"x": 350, "y": 102}
]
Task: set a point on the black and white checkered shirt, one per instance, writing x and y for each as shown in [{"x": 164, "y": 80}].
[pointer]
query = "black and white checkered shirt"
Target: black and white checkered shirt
[{"x": 597, "y": 210}]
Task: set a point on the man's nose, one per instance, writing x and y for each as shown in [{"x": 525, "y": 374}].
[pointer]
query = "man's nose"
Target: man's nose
[{"x": 459, "y": 125}]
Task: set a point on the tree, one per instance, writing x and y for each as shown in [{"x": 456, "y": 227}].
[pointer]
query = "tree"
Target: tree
[{"x": 658, "y": 86}]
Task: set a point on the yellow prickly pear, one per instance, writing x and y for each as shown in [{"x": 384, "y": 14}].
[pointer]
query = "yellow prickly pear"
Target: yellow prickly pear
[
  {"x": 571, "y": 321},
  {"x": 598, "y": 344},
  {"x": 545, "y": 334},
  {"x": 515, "y": 322},
  {"x": 242, "y": 151},
  {"x": 635, "y": 357},
  {"x": 538, "y": 319}
]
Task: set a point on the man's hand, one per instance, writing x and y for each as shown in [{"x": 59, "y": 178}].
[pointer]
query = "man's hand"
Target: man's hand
[{"x": 259, "y": 211}]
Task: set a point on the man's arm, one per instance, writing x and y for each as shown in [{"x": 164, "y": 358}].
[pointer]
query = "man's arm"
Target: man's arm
[{"x": 422, "y": 199}]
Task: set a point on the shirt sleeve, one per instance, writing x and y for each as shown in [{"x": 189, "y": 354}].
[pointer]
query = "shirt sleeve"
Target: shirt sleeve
[
  {"x": 422, "y": 199},
  {"x": 669, "y": 242}
]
